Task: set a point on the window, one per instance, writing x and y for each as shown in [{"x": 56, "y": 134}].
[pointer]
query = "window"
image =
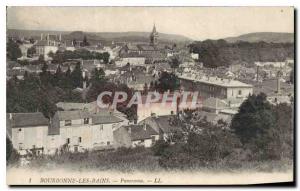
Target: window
[
  {"x": 240, "y": 92},
  {"x": 153, "y": 139},
  {"x": 172, "y": 112},
  {"x": 20, "y": 146},
  {"x": 20, "y": 129},
  {"x": 79, "y": 139},
  {"x": 108, "y": 143},
  {"x": 101, "y": 127},
  {"x": 68, "y": 140},
  {"x": 68, "y": 122},
  {"x": 86, "y": 120}
]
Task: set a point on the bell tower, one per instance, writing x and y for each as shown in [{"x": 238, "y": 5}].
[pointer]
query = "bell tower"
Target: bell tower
[{"x": 153, "y": 36}]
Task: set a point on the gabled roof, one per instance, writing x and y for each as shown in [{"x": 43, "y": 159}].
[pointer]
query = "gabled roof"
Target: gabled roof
[
  {"x": 72, "y": 115},
  {"x": 105, "y": 119},
  {"x": 98, "y": 118},
  {"x": 164, "y": 123},
  {"x": 27, "y": 120},
  {"x": 139, "y": 132}
]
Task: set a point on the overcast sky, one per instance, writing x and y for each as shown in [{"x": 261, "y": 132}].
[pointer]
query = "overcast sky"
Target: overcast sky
[{"x": 198, "y": 23}]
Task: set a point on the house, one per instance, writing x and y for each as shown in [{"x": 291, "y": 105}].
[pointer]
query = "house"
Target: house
[
  {"x": 133, "y": 61},
  {"x": 169, "y": 104},
  {"x": 92, "y": 107},
  {"x": 29, "y": 132},
  {"x": 135, "y": 135},
  {"x": 47, "y": 44},
  {"x": 74, "y": 131},
  {"x": 214, "y": 105},
  {"x": 210, "y": 86},
  {"x": 163, "y": 125}
]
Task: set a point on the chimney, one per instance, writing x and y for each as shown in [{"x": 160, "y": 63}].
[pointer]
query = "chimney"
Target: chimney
[
  {"x": 59, "y": 37},
  {"x": 144, "y": 126},
  {"x": 10, "y": 116},
  {"x": 41, "y": 36},
  {"x": 48, "y": 36}
]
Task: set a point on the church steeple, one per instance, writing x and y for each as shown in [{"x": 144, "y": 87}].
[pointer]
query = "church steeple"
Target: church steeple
[{"x": 153, "y": 36}]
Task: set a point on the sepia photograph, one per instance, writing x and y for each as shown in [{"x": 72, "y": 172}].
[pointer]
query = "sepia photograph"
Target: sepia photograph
[{"x": 150, "y": 95}]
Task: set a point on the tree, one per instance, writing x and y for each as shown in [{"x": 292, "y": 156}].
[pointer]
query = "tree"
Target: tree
[
  {"x": 46, "y": 105},
  {"x": 13, "y": 52},
  {"x": 167, "y": 81},
  {"x": 98, "y": 75},
  {"x": 255, "y": 125},
  {"x": 45, "y": 75},
  {"x": 283, "y": 145},
  {"x": 58, "y": 77},
  {"x": 12, "y": 155},
  {"x": 175, "y": 62},
  {"x": 76, "y": 76},
  {"x": 31, "y": 51},
  {"x": 85, "y": 42}
]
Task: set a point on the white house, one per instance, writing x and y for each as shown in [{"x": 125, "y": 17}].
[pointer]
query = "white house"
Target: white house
[{"x": 74, "y": 131}]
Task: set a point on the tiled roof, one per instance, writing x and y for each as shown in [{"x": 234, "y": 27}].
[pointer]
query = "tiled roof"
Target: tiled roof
[
  {"x": 105, "y": 119},
  {"x": 215, "y": 81},
  {"x": 138, "y": 132},
  {"x": 164, "y": 123},
  {"x": 68, "y": 106},
  {"x": 28, "y": 120},
  {"x": 71, "y": 115},
  {"x": 146, "y": 47},
  {"x": 99, "y": 118},
  {"x": 132, "y": 47}
]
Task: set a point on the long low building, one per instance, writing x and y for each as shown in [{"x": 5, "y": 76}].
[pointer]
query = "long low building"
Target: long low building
[
  {"x": 215, "y": 87},
  {"x": 74, "y": 131}
]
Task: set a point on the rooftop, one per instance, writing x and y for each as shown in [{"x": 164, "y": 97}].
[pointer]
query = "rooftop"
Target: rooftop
[
  {"x": 27, "y": 119},
  {"x": 214, "y": 81},
  {"x": 138, "y": 132},
  {"x": 164, "y": 123}
]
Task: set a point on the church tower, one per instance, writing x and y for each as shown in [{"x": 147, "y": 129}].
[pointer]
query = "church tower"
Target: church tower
[{"x": 153, "y": 37}]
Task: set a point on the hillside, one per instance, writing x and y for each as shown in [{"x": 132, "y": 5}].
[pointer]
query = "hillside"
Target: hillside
[
  {"x": 214, "y": 53},
  {"x": 103, "y": 36},
  {"x": 264, "y": 36}
]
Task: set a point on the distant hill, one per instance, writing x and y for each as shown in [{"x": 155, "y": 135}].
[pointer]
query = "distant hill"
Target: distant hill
[
  {"x": 264, "y": 36},
  {"x": 103, "y": 36},
  {"x": 215, "y": 53},
  {"x": 127, "y": 37}
]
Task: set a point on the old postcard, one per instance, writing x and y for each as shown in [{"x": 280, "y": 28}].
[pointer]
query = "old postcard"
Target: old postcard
[{"x": 150, "y": 95}]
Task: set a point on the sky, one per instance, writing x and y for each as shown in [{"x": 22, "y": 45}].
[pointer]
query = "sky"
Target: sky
[{"x": 197, "y": 23}]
